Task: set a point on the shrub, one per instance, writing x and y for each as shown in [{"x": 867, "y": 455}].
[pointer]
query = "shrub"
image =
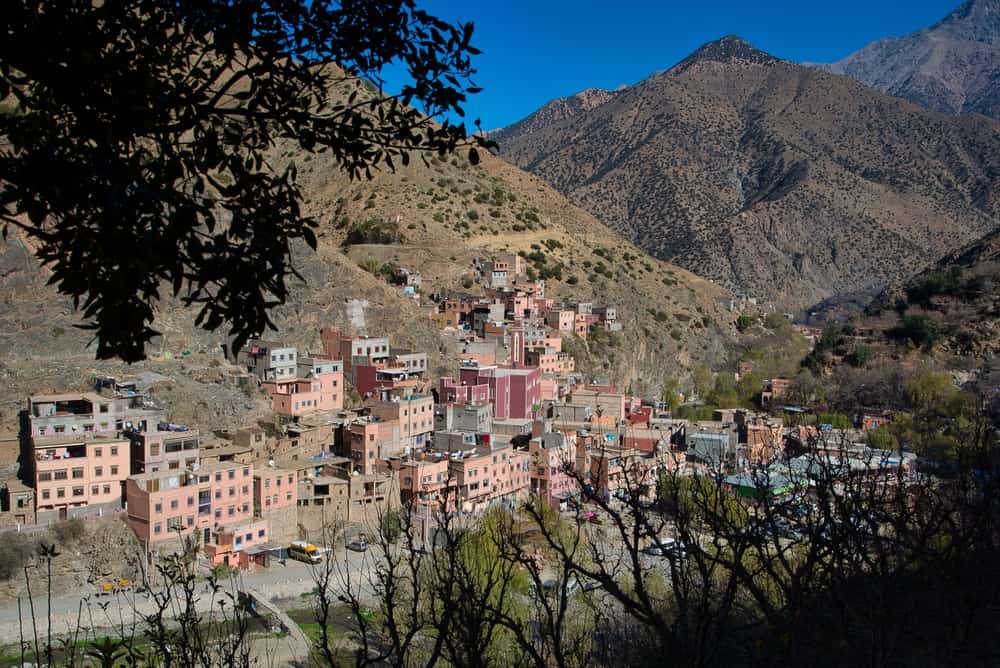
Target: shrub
[
  {"x": 472, "y": 214},
  {"x": 69, "y": 531},
  {"x": 15, "y": 550},
  {"x": 921, "y": 330}
]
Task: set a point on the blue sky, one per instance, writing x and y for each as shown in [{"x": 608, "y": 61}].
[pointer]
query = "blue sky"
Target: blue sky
[{"x": 538, "y": 50}]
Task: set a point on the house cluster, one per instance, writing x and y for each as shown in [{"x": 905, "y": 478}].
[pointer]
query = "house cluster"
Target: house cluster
[{"x": 515, "y": 324}]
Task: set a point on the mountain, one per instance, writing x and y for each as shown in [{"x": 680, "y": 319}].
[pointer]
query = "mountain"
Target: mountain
[
  {"x": 952, "y": 67},
  {"x": 443, "y": 215},
  {"x": 774, "y": 179}
]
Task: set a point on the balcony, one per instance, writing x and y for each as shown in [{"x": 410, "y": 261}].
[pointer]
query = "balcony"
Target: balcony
[{"x": 60, "y": 454}]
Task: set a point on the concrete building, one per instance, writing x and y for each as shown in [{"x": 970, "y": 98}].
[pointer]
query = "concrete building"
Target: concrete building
[
  {"x": 370, "y": 441},
  {"x": 294, "y": 397},
  {"x": 163, "y": 449},
  {"x": 170, "y": 504},
  {"x": 471, "y": 417},
  {"x": 275, "y": 499},
  {"x": 87, "y": 414},
  {"x": 415, "y": 415},
  {"x": 550, "y": 361},
  {"x": 17, "y": 503},
  {"x": 514, "y": 392},
  {"x": 269, "y": 360},
  {"x": 552, "y": 458},
  {"x": 75, "y": 476}
]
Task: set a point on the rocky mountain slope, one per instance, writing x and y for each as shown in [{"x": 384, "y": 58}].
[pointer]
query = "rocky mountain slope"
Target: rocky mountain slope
[
  {"x": 959, "y": 297},
  {"x": 771, "y": 178},
  {"x": 952, "y": 66},
  {"x": 444, "y": 215}
]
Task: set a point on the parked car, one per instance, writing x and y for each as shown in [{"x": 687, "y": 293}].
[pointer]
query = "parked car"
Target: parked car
[
  {"x": 666, "y": 547},
  {"x": 358, "y": 545}
]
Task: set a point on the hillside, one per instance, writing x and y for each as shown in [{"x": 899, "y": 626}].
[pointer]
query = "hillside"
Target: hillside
[
  {"x": 772, "y": 178},
  {"x": 952, "y": 66},
  {"x": 448, "y": 213},
  {"x": 957, "y": 301}
]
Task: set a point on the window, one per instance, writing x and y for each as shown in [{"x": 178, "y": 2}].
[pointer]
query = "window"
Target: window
[
  {"x": 232, "y": 474},
  {"x": 157, "y": 528},
  {"x": 79, "y": 491},
  {"x": 44, "y": 475},
  {"x": 77, "y": 473},
  {"x": 267, "y": 483},
  {"x": 248, "y": 537},
  {"x": 173, "y": 504},
  {"x": 231, "y": 511},
  {"x": 60, "y": 493},
  {"x": 218, "y": 493},
  {"x": 190, "y": 520},
  {"x": 45, "y": 494},
  {"x": 232, "y": 491},
  {"x": 218, "y": 476},
  {"x": 175, "y": 524},
  {"x": 246, "y": 471},
  {"x": 246, "y": 489},
  {"x": 190, "y": 501},
  {"x": 154, "y": 450},
  {"x": 95, "y": 490},
  {"x": 246, "y": 507},
  {"x": 59, "y": 475},
  {"x": 98, "y": 452},
  {"x": 174, "y": 465},
  {"x": 239, "y": 541},
  {"x": 288, "y": 496},
  {"x": 107, "y": 489},
  {"x": 158, "y": 508},
  {"x": 260, "y": 533},
  {"x": 114, "y": 450},
  {"x": 98, "y": 471},
  {"x": 218, "y": 514}
]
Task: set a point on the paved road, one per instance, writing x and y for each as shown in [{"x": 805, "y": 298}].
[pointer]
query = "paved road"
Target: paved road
[{"x": 277, "y": 582}]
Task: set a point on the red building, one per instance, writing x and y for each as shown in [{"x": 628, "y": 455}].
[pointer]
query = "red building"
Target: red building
[{"x": 514, "y": 393}]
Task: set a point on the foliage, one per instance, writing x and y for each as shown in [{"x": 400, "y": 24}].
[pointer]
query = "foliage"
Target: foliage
[
  {"x": 920, "y": 330},
  {"x": 138, "y": 156},
  {"x": 744, "y": 322},
  {"x": 953, "y": 282},
  {"x": 670, "y": 394},
  {"x": 373, "y": 231},
  {"x": 69, "y": 531},
  {"x": 15, "y": 551}
]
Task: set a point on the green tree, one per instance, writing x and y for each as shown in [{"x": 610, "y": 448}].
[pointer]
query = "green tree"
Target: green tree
[
  {"x": 140, "y": 134},
  {"x": 670, "y": 396}
]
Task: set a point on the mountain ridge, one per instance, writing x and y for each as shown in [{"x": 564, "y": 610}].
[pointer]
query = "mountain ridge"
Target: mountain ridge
[
  {"x": 770, "y": 177},
  {"x": 951, "y": 66}
]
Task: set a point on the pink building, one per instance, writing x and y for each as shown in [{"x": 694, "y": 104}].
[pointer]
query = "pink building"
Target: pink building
[
  {"x": 451, "y": 391},
  {"x": 422, "y": 478},
  {"x": 72, "y": 474},
  {"x": 169, "y": 504},
  {"x": 233, "y": 544},
  {"x": 562, "y": 320},
  {"x": 300, "y": 396},
  {"x": 488, "y": 476},
  {"x": 273, "y": 489},
  {"x": 369, "y": 442},
  {"x": 415, "y": 415},
  {"x": 160, "y": 449},
  {"x": 550, "y": 361},
  {"x": 515, "y": 393},
  {"x": 552, "y": 458}
]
